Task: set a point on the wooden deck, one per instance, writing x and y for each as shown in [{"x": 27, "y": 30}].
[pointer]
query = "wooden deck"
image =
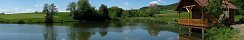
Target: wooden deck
[{"x": 193, "y": 22}]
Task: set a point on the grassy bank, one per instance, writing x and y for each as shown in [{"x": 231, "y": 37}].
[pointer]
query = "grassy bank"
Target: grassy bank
[
  {"x": 33, "y": 18},
  {"x": 159, "y": 18},
  {"x": 237, "y": 17},
  {"x": 63, "y": 17}
]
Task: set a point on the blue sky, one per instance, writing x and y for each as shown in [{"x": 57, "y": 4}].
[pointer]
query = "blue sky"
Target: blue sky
[{"x": 23, "y": 6}]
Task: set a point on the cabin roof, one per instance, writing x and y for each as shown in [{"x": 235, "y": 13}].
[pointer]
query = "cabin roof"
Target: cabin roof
[{"x": 201, "y": 3}]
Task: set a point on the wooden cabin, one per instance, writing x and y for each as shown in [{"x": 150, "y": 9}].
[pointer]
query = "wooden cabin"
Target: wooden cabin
[{"x": 198, "y": 17}]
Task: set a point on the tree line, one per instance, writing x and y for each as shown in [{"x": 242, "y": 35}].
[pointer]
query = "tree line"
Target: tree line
[{"x": 84, "y": 11}]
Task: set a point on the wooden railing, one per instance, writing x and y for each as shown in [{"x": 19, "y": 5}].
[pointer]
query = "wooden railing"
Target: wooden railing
[{"x": 193, "y": 22}]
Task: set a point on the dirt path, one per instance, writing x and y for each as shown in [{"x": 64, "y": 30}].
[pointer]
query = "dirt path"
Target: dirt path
[{"x": 241, "y": 28}]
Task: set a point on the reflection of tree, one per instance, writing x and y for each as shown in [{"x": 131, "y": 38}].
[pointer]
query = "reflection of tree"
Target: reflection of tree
[
  {"x": 153, "y": 31},
  {"x": 81, "y": 30},
  {"x": 84, "y": 35},
  {"x": 103, "y": 34},
  {"x": 49, "y": 32},
  {"x": 77, "y": 34},
  {"x": 80, "y": 35},
  {"x": 116, "y": 24}
]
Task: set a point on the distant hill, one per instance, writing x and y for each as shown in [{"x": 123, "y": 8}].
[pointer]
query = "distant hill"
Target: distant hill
[{"x": 166, "y": 7}]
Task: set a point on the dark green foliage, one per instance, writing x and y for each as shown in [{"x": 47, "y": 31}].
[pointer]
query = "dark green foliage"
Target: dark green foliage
[
  {"x": 115, "y": 12},
  {"x": 241, "y": 21},
  {"x": 36, "y": 12},
  {"x": 45, "y": 8},
  {"x": 85, "y": 11},
  {"x": 49, "y": 10},
  {"x": 240, "y": 5},
  {"x": 135, "y": 13},
  {"x": 72, "y": 8},
  {"x": 221, "y": 33},
  {"x": 153, "y": 10},
  {"x": 214, "y": 8},
  {"x": 103, "y": 12}
]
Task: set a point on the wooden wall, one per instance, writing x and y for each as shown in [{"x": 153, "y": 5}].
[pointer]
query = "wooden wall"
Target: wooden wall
[{"x": 231, "y": 18}]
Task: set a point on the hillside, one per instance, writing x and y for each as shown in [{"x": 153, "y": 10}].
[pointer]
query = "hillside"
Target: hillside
[{"x": 166, "y": 7}]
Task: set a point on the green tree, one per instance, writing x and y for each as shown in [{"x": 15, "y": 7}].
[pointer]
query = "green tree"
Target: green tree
[
  {"x": 103, "y": 10},
  {"x": 85, "y": 11},
  {"x": 45, "y": 8},
  {"x": 240, "y": 5},
  {"x": 153, "y": 10},
  {"x": 115, "y": 12},
  {"x": 72, "y": 8},
  {"x": 215, "y": 9},
  {"x": 49, "y": 10}
]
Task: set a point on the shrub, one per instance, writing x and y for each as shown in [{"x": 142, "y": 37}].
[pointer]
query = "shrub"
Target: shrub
[
  {"x": 219, "y": 32},
  {"x": 241, "y": 20}
]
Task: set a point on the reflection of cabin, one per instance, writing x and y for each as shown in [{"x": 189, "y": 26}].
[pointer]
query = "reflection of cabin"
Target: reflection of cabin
[{"x": 199, "y": 18}]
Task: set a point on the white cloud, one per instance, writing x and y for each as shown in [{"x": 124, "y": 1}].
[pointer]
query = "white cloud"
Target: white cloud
[
  {"x": 158, "y": 1},
  {"x": 37, "y": 5},
  {"x": 126, "y": 3},
  {"x": 154, "y": 2}
]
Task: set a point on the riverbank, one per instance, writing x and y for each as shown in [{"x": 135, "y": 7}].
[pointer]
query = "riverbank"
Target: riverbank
[
  {"x": 62, "y": 17},
  {"x": 34, "y": 18}
]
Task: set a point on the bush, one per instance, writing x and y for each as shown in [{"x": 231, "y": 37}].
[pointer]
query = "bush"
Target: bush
[
  {"x": 221, "y": 32},
  {"x": 239, "y": 12},
  {"x": 241, "y": 20}
]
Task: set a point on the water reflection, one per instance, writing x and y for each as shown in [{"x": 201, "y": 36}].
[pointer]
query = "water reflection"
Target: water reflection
[
  {"x": 190, "y": 34},
  {"x": 50, "y": 33},
  {"x": 93, "y": 31}
]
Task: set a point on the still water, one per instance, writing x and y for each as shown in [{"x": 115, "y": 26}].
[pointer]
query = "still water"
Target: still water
[{"x": 90, "y": 31}]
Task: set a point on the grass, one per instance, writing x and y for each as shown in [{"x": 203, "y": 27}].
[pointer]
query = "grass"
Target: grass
[
  {"x": 237, "y": 17},
  {"x": 222, "y": 33},
  {"x": 33, "y": 17},
  {"x": 159, "y": 18}
]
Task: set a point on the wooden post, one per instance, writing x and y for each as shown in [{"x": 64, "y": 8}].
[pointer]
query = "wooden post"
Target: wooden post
[
  {"x": 180, "y": 30},
  {"x": 203, "y": 34},
  {"x": 179, "y": 14},
  {"x": 189, "y": 31}
]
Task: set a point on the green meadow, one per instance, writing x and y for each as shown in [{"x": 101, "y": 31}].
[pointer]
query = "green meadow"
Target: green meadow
[{"x": 33, "y": 17}]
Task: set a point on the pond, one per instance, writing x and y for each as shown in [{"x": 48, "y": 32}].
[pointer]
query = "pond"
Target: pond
[{"x": 91, "y": 31}]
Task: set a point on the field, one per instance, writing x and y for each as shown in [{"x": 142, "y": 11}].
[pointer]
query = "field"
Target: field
[{"x": 33, "y": 17}]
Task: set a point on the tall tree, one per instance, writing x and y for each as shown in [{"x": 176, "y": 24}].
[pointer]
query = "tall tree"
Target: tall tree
[
  {"x": 104, "y": 11},
  {"x": 45, "y": 8},
  {"x": 85, "y": 11},
  {"x": 49, "y": 10},
  {"x": 215, "y": 9},
  {"x": 72, "y": 8},
  {"x": 115, "y": 12}
]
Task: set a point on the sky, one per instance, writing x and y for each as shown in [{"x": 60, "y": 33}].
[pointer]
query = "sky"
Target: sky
[{"x": 25, "y": 6}]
